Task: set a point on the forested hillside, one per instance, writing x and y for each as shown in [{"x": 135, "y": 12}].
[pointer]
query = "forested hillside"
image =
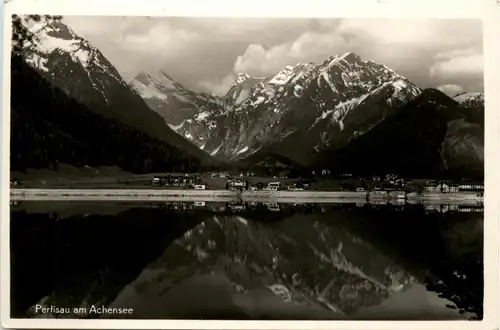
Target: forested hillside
[{"x": 49, "y": 128}]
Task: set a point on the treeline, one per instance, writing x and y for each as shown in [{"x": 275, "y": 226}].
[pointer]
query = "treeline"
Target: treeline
[{"x": 49, "y": 128}]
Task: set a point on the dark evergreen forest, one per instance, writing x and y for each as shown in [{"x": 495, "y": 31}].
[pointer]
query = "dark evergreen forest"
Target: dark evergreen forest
[{"x": 49, "y": 128}]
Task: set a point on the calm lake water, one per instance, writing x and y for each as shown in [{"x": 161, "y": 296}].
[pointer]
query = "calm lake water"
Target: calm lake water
[{"x": 248, "y": 261}]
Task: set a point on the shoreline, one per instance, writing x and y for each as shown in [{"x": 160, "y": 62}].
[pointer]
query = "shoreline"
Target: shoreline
[{"x": 226, "y": 195}]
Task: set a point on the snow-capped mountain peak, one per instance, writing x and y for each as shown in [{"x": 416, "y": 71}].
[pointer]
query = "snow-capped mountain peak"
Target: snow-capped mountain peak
[
  {"x": 187, "y": 112},
  {"x": 333, "y": 101},
  {"x": 55, "y": 48},
  {"x": 329, "y": 93},
  {"x": 155, "y": 84},
  {"x": 157, "y": 75},
  {"x": 52, "y": 28},
  {"x": 328, "y": 97},
  {"x": 348, "y": 56},
  {"x": 55, "y": 36},
  {"x": 240, "y": 78}
]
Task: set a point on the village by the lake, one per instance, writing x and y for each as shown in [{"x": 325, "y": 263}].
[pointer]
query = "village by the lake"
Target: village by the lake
[{"x": 322, "y": 185}]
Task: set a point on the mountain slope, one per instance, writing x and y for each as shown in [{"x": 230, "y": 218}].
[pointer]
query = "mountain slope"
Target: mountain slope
[
  {"x": 49, "y": 128},
  {"x": 81, "y": 70},
  {"x": 463, "y": 148},
  {"x": 187, "y": 112},
  {"x": 308, "y": 107},
  {"x": 334, "y": 101},
  {"x": 301, "y": 109},
  {"x": 424, "y": 138},
  {"x": 466, "y": 97},
  {"x": 315, "y": 114},
  {"x": 240, "y": 90}
]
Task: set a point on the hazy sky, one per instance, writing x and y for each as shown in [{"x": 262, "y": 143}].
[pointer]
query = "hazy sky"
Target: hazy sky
[{"x": 205, "y": 54}]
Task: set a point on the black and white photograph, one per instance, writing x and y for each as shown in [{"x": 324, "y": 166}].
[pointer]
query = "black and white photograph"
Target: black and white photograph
[{"x": 245, "y": 169}]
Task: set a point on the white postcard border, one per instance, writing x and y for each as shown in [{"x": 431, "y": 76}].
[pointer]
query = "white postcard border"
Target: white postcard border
[{"x": 489, "y": 10}]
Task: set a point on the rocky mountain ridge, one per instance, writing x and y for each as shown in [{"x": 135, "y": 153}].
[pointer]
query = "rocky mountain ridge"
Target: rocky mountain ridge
[
  {"x": 79, "y": 69},
  {"x": 307, "y": 111},
  {"x": 431, "y": 135},
  {"x": 320, "y": 100}
]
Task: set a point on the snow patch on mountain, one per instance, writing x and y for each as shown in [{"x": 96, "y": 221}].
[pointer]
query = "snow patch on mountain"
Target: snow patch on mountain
[
  {"x": 336, "y": 59},
  {"x": 176, "y": 127},
  {"x": 297, "y": 89},
  {"x": 240, "y": 78},
  {"x": 400, "y": 86},
  {"x": 259, "y": 100},
  {"x": 244, "y": 149},
  {"x": 216, "y": 150},
  {"x": 283, "y": 76},
  {"x": 55, "y": 38},
  {"x": 149, "y": 91},
  {"x": 340, "y": 111},
  {"x": 202, "y": 116},
  {"x": 462, "y": 97},
  {"x": 38, "y": 62},
  {"x": 324, "y": 75},
  {"x": 158, "y": 85},
  {"x": 46, "y": 43}
]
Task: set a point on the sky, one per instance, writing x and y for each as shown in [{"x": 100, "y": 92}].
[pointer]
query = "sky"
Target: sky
[{"x": 205, "y": 54}]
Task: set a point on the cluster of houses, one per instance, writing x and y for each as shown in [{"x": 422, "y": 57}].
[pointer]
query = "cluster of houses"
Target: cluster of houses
[
  {"x": 377, "y": 185},
  {"x": 245, "y": 185},
  {"x": 388, "y": 183},
  {"x": 271, "y": 186},
  {"x": 450, "y": 187},
  {"x": 392, "y": 183},
  {"x": 185, "y": 181}
]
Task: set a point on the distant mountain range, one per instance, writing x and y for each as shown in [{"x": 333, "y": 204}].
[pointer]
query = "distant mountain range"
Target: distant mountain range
[
  {"x": 316, "y": 114},
  {"x": 317, "y": 101},
  {"x": 333, "y": 114}
]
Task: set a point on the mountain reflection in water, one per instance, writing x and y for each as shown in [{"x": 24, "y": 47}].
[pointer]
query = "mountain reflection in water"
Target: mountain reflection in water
[{"x": 249, "y": 260}]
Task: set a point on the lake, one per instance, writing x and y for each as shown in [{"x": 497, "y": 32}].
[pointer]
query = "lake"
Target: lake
[{"x": 246, "y": 261}]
